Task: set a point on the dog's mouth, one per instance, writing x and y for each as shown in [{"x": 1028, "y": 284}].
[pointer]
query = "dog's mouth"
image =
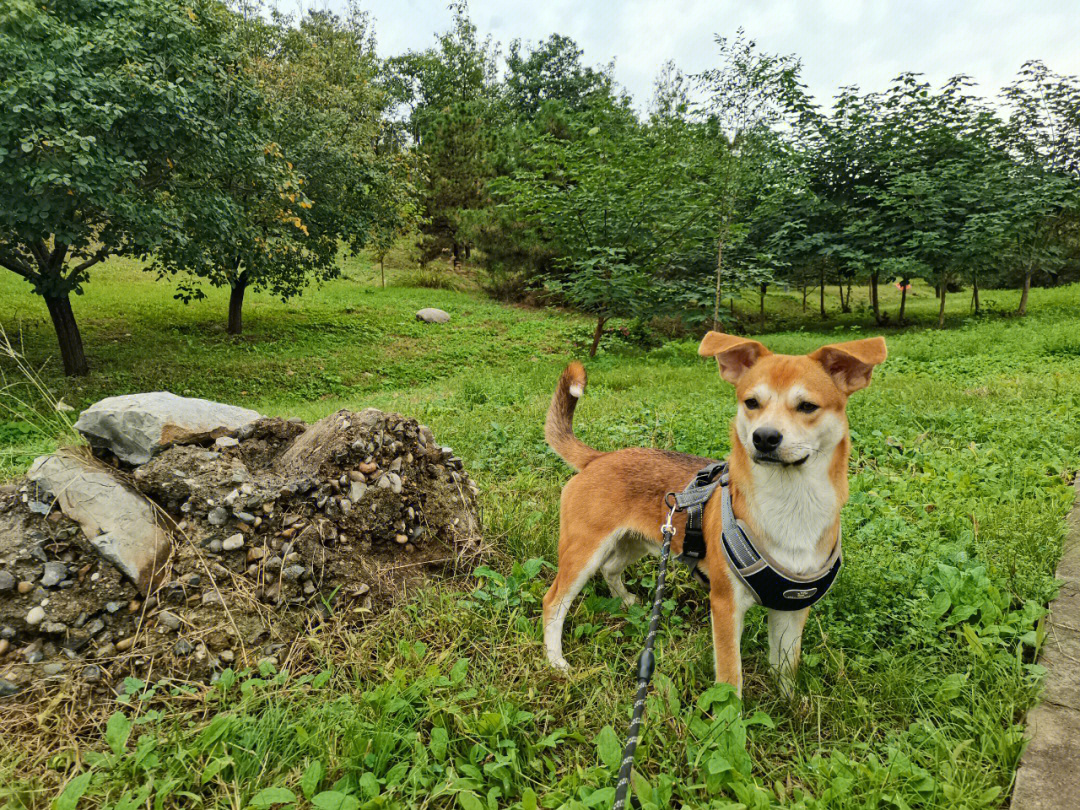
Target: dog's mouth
[{"x": 772, "y": 458}]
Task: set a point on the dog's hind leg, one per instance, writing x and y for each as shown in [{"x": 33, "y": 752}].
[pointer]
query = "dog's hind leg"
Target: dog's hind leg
[
  {"x": 578, "y": 561},
  {"x": 626, "y": 550}
]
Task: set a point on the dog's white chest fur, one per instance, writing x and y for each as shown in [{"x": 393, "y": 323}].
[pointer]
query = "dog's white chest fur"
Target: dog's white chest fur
[{"x": 792, "y": 508}]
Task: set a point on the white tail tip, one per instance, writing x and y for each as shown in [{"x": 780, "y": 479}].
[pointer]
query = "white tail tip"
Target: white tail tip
[{"x": 576, "y": 390}]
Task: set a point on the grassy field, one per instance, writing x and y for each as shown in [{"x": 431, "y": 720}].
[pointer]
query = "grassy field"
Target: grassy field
[{"x": 918, "y": 667}]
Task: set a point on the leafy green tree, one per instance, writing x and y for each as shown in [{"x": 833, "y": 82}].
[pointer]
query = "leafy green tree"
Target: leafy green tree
[
  {"x": 103, "y": 100},
  {"x": 1044, "y": 132},
  {"x": 301, "y": 174},
  {"x": 450, "y": 93},
  {"x": 552, "y": 74},
  {"x": 750, "y": 94},
  {"x": 622, "y": 209}
]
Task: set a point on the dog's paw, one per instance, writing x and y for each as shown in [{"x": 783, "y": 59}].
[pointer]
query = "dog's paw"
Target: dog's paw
[
  {"x": 630, "y": 600},
  {"x": 560, "y": 665}
]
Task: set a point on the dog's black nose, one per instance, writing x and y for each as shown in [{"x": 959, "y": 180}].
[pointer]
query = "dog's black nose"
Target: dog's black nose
[{"x": 767, "y": 439}]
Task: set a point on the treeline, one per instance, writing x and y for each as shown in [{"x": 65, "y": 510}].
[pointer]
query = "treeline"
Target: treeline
[{"x": 239, "y": 148}]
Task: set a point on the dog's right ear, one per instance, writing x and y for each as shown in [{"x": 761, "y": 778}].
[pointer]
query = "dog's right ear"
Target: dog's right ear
[{"x": 734, "y": 355}]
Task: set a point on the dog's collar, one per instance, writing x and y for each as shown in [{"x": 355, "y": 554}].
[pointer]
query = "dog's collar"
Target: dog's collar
[{"x": 773, "y": 586}]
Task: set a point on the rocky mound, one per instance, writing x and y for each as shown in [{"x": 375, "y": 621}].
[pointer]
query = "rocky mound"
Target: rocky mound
[{"x": 224, "y": 548}]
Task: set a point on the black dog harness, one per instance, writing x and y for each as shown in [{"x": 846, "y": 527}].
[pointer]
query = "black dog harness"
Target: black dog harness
[{"x": 772, "y": 585}]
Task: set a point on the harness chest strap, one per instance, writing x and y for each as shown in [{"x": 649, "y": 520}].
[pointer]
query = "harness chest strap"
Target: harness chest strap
[{"x": 773, "y": 586}]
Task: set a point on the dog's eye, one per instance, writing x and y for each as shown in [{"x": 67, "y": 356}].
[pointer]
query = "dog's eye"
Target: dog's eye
[
  {"x": 806, "y": 407},
  {"x": 751, "y": 404}
]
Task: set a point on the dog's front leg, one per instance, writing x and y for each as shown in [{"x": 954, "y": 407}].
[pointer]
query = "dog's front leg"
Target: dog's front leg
[
  {"x": 785, "y": 645},
  {"x": 727, "y": 625}
]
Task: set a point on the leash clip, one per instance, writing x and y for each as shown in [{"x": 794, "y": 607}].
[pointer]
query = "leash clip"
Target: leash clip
[{"x": 668, "y": 528}]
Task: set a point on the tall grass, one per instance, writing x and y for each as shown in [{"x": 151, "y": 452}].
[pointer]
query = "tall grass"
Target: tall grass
[{"x": 918, "y": 668}]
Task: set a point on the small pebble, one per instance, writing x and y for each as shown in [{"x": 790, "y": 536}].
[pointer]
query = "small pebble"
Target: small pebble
[
  {"x": 246, "y": 517},
  {"x": 225, "y": 441},
  {"x": 92, "y": 673},
  {"x": 53, "y": 669},
  {"x": 401, "y": 539},
  {"x": 7, "y": 581},
  {"x": 113, "y": 607},
  {"x": 55, "y": 573},
  {"x": 183, "y": 647},
  {"x": 227, "y": 656},
  {"x": 25, "y": 586},
  {"x": 4, "y": 646},
  {"x": 169, "y": 619},
  {"x": 125, "y": 643},
  {"x": 218, "y": 516},
  {"x": 255, "y": 553},
  {"x": 36, "y": 616},
  {"x": 233, "y": 543},
  {"x": 293, "y": 573}
]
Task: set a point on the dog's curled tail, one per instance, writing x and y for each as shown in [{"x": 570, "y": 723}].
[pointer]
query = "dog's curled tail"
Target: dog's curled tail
[{"x": 559, "y": 427}]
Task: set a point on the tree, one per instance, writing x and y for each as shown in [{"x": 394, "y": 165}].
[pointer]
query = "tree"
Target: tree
[
  {"x": 750, "y": 94},
  {"x": 1044, "y": 134},
  {"x": 301, "y": 174},
  {"x": 450, "y": 91},
  {"x": 622, "y": 208},
  {"x": 102, "y": 100}
]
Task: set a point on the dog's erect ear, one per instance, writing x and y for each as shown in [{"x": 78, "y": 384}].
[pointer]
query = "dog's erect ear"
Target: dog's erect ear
[
  {"x": 734, "y": 355},
  {"x": 851, "y": 364}
]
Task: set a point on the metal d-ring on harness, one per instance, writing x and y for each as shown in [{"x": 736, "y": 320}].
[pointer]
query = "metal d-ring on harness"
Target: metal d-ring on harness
[{"x": 772, "y": 585}]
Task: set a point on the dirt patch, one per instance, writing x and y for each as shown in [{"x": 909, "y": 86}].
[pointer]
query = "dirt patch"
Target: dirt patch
[{"x": 277, "y": 529}]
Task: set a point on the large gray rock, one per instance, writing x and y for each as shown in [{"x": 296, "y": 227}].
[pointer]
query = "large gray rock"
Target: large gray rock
[
  {"x": 432, "y": 315},
  {"x": 119, "y": 522},
  {"x": 136, "y": 426}
]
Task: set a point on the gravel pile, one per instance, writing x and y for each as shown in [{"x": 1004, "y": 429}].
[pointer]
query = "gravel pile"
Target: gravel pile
[{"x": 275, "y": 527}]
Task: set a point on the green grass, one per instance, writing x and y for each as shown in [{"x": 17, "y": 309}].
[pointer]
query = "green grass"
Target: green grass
[{"x": 918, "y": 666}]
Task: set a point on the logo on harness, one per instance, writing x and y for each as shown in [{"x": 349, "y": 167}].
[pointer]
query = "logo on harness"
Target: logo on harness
[{"x": 797, "y": 594}]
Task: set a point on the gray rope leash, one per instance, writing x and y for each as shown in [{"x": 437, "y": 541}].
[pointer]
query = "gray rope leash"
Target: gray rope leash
[{"x": 645, "y": 670}]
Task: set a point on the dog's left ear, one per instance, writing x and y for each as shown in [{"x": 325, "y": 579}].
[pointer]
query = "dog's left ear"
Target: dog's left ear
[
  {"x": 851, "y": 364},
  {"x": 734, "y": 355}
]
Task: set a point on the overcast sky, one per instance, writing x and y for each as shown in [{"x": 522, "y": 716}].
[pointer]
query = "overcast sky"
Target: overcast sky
[{"x": 840, "y": 41}]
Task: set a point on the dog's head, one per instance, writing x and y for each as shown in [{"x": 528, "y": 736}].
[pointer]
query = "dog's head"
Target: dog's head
[{"x": 792, "y": 407}]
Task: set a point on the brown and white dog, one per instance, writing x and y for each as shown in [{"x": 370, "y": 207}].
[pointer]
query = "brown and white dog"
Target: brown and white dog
[{"x": 788, "y": 468}]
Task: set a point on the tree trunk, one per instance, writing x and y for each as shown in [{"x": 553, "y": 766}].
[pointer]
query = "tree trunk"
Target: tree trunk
[
  {"x": 975, "y": 293},
  {"x": 382, "y": 272},
  {"x": 236, "y": 306},
  {"x": 1022, "y": 309},
  {"x": 823, "y": 315},
  {"x": 719, "y": 266},
  {"x": 903, "y": 297},
  {"x": 764, "y": 287},
  {"x": 804, "y": 297},
  {"x": 941, "y": 309},
  {"x": 845, "y": 306},
  {"x": 597, "y": 334},
  {"x": 848, "y": 296},
  {"x": 874, "y": 297},
  {"x": 67, "y": 334}
]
